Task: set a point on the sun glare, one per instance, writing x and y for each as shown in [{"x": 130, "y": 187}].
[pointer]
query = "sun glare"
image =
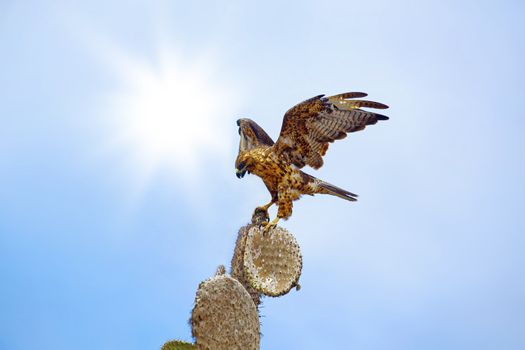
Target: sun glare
[{"x": 171, "y": 113}]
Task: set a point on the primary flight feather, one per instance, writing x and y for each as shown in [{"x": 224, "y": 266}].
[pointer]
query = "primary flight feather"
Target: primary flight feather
[{"x": 307, "y": 130}]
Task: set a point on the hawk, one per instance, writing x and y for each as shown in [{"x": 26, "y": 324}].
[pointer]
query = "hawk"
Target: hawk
[{"x": 307, "y": 130}]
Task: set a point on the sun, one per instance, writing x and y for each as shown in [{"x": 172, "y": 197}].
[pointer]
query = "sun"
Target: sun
[{"x": 171, "y": 113}]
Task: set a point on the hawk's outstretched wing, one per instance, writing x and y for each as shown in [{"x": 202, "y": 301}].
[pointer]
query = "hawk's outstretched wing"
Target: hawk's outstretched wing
[
  {"x": 252, "y": 135},
  {"x": 311, "y": 125}
]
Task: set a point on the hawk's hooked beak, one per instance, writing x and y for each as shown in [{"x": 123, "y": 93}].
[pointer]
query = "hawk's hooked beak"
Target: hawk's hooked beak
[
  {"x": 240, "y": 173},
  {"x": 241, "y": 170}
]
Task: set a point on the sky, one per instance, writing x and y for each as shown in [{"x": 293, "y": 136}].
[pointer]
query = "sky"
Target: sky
[{"x": 118, "y": 188}]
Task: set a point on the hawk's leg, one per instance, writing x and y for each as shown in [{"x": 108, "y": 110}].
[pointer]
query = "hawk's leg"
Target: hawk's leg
[
  {"x": 284, "y": 211},
  {"x": 285, "y": 207},
  {"x": 267, "y": 206}
]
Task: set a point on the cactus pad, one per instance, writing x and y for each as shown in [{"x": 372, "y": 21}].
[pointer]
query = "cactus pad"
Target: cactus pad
[
  {"x": 272, "y": 260},
  {"x": 224, "y": 316},
  {"x": 178, "y": 345},
  {"x": 237, "y": 264}
]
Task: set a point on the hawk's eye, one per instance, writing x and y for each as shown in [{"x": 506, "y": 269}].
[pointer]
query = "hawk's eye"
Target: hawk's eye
[{"x": 238, "y": 122}]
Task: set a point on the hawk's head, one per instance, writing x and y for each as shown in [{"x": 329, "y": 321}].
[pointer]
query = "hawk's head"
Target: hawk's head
[{"x": 251, "y": 136}]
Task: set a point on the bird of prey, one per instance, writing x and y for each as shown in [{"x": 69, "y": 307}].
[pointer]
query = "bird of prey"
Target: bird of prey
[{"x": 306, "y": 132}]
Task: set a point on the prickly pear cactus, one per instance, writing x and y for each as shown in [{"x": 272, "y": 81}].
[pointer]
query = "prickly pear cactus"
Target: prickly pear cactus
[
  {"x": 237, "y": 264},
  {"x": 178, "y": 345},
  {"x": 224, "y": 316},
  {"x": 272, "y": 260}
]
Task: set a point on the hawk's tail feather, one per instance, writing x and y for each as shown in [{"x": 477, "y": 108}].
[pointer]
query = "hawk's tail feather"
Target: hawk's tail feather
[{"x": 327, "y": 188}]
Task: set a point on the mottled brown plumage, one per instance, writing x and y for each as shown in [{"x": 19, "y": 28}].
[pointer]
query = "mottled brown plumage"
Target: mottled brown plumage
[{"x": 307, "y": 130}]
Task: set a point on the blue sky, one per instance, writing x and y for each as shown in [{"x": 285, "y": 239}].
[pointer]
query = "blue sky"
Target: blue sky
[{"x": 117, "y": 143}]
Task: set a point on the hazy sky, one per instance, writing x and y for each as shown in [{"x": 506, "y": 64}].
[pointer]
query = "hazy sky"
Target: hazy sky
[{"x": 118, "y": 189}]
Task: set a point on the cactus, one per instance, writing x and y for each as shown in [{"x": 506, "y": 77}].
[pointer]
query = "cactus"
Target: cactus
[
  {"x": 237, "y": 264},
  {"x": 272, "y": 261},
  {"x": 178, "y": 345},
  {"x": 224, "y": 316}
]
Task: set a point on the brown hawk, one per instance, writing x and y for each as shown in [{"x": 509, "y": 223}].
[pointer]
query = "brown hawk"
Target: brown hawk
[{"x": 307, "y": 130}]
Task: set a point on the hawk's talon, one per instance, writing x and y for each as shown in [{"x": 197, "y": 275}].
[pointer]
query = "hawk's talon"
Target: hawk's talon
[
  {"x": 260, "y": 216},
  {"x": 262, "y": 210},
  {"x": 267, "y": 226}
]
